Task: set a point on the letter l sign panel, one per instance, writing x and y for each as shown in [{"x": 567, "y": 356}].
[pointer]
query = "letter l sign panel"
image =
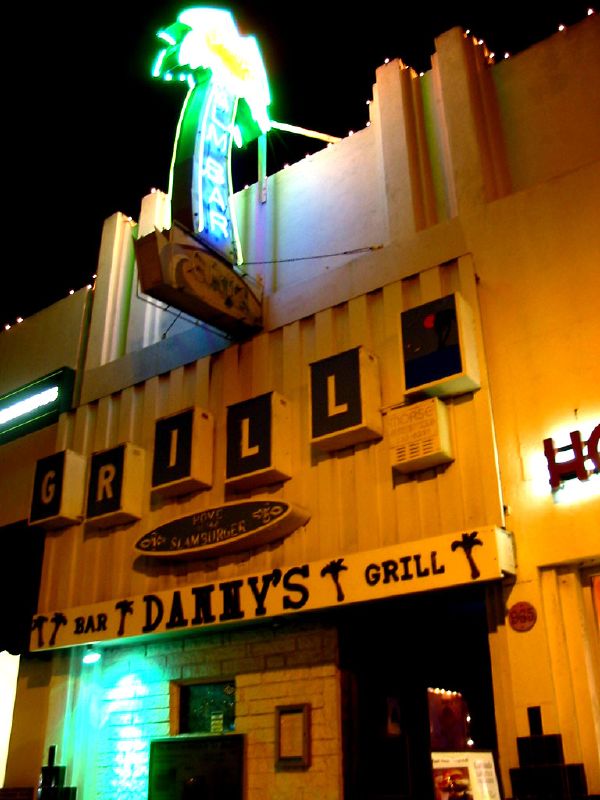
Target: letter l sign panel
[
  {"x": 258, "y": 442},
  {"x": 345, "y": 400}
]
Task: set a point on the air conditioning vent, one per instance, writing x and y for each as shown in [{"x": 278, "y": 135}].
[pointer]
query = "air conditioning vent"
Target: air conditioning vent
[{"x": 419, "y": 436}]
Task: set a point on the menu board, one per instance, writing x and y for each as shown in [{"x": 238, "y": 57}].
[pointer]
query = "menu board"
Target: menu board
[{"x": 465, "y": 775}]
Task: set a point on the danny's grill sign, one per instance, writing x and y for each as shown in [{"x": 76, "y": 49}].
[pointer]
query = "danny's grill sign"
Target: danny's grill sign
[{"x": 438, "y": 562}]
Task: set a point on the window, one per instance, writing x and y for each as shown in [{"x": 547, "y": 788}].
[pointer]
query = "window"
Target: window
[{"x": 207, "y": 707}]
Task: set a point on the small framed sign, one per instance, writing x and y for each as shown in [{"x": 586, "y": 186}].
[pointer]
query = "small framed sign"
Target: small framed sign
[
  {"x": 469, "y": 774},
  {"x": 292, "y": 737}
]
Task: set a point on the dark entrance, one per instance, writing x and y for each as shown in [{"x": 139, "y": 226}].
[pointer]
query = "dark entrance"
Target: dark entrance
[
  {"x": 391, "y": 653},
  {"x": 203, "y": 768}
]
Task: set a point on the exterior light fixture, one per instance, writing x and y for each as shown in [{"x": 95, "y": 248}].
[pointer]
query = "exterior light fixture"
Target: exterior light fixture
[{"x": 91, "y": 655}]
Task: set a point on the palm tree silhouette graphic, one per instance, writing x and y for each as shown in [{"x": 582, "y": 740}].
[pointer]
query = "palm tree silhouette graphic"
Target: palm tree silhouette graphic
[{"x": 227, "y": 101}]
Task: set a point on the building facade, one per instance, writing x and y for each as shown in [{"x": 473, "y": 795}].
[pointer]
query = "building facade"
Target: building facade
[{"x": 311, "y": 558}]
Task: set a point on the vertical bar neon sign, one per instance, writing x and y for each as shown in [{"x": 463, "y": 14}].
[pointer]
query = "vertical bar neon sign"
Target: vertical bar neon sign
[{"x": 215, "y": 219}]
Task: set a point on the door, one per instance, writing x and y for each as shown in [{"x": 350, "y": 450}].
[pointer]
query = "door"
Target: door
[
  {"x": 203, "y": 768},
  {"x": 391, "y": 654}
]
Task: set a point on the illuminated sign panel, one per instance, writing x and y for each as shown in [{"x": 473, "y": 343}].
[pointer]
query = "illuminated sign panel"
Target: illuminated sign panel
[{"x": 35, "y": 405}]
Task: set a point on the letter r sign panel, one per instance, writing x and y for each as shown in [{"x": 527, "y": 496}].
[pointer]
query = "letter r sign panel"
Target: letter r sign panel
[
  {"x": 116, "y": 486},
  {"x": 345, "y": 400}
]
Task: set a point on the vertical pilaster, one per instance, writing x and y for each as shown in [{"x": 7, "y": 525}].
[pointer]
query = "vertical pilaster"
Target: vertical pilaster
[
  {"x": 112, "y": 295},
  {"x": 469, "y": 105},
  {"x": 389, "y": 120},
  {"x": 147, "y": 320}
]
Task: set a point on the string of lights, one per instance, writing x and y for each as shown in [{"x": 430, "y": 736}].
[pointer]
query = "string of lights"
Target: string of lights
[{"x": 491, "y": 57}]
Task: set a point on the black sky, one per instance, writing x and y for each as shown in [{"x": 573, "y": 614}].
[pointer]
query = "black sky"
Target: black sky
[{"x": 90, "y": 132}]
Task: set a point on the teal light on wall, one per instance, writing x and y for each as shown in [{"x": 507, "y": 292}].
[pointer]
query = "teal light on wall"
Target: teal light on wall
[
  {"x": 118, "y": 705},
  {"x": 91, "y": 655}
]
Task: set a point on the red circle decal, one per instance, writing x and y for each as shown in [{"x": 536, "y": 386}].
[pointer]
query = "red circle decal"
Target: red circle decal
[{"x": 522, "y": 616}]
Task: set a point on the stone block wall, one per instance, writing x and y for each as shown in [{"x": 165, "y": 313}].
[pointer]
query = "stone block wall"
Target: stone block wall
[{"x": 131, "y": 697}]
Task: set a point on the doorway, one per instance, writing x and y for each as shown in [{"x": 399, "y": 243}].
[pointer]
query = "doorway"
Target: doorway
[
  {"x": 203, "y": 768},
  {"x": 391, "y": 654}
]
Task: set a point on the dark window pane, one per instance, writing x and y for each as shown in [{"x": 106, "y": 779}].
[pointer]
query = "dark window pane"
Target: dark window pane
[{"x": 207, "y": 708}]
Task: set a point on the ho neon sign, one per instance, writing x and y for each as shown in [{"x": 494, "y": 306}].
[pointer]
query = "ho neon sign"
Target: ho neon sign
[
  {"x": 227, "y": 101},
  {"x": 562, "y": 469}
]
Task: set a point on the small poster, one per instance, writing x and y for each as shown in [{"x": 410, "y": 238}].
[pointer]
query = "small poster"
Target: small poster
[{"x": 469, "y": 775}]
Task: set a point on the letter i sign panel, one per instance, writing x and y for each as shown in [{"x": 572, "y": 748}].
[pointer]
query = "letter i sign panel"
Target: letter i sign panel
[{"x": 183, "y": 453}]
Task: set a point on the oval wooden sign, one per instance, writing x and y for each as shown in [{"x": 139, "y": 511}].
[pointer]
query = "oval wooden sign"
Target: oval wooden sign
[{"x": 224, "y": 529}]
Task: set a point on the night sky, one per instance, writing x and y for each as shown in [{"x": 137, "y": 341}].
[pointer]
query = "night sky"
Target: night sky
[{"x": 89, "y": 132}]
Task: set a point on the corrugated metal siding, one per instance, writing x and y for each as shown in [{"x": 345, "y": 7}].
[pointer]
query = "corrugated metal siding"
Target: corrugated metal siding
[{"x": 355, "y": 501}]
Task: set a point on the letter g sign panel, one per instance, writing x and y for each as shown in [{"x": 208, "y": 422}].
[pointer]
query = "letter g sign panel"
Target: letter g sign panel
[
  {"x": 345, "y": 400},
  {"x": 58, "y": 488}
]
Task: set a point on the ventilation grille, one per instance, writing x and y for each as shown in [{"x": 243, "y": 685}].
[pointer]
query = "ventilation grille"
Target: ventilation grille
[{"x": 419, "y": 436}]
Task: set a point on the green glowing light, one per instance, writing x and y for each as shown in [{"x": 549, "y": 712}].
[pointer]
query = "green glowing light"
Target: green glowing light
[
  {"x": 156, "y": 69},
  {"x": 207, "y": 40},
  {"x": 237, "y": 136},
  {"x": 36, "y": 404},
  {"x": 23, "y": 407},
  {"x": 227, "y": 102},
  {"x": 166, "y": 37},
  {"x": 91, "y": 656}
]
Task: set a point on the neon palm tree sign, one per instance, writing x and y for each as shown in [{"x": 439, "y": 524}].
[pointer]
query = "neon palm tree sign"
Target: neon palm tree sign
[
  {"x": 227, "y": 102},
  {"x": 192, "y": 266}
]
